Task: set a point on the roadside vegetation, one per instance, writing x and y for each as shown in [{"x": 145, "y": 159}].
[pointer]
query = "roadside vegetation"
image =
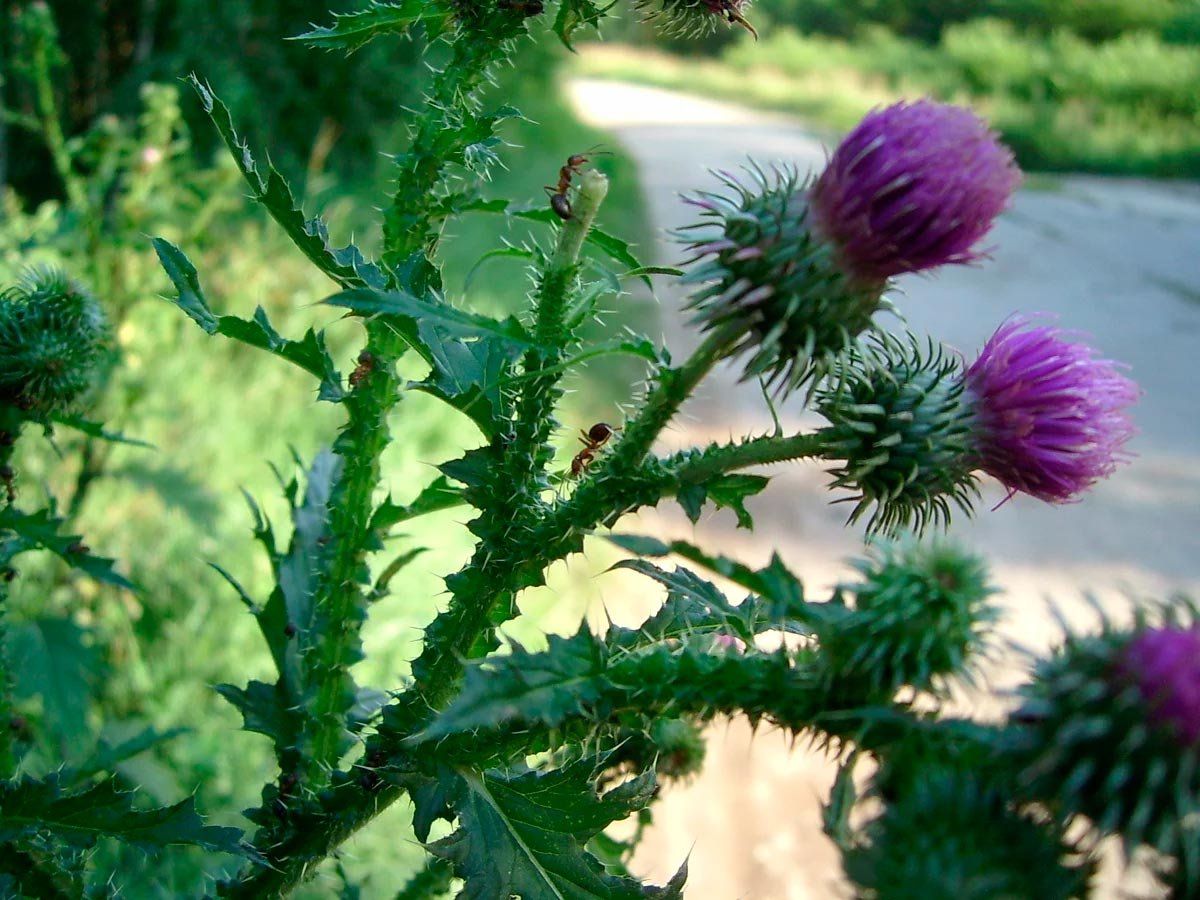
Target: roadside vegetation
[{"x": 1070, "y": 87}]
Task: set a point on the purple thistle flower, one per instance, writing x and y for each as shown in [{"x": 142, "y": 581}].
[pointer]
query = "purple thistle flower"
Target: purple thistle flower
[
  {"x": 1049, "y": 415},
  {"x": 912, "y": 187},
  {"x": 1165, "y": 665}
]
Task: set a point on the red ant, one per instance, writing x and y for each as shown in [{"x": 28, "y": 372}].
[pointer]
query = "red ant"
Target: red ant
[
  {"x": 592, "y": 439},
  {"x": 366, "y": 365},
  {"x": 558, "y": 195}
]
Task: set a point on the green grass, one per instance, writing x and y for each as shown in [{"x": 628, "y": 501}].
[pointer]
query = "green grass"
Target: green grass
[
  {"x": 1125, "y": 106},
  {"x": 220, "y": 415}
]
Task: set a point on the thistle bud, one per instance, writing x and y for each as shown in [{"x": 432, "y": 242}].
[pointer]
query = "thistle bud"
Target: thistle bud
[
  {"x": 899, "y": 420},
  {"x": 951, "y": 837},
  {"x": 912, "y": 187},
  {"x": 53, "y": 338},
  {"x": 1110, "y": 729},
  {"x": 919, "y": 615},
  {"x": 764, "y": 270}
]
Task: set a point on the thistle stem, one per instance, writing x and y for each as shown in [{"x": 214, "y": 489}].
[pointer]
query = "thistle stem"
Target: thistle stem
[{"x": 672, "y": 388}]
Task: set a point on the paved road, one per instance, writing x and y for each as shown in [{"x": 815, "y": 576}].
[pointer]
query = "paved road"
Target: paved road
[{"x": 1117, "y": 259}]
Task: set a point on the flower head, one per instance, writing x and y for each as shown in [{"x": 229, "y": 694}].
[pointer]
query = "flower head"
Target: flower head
[
  {"x": 1050, "y": 416},
  {"x": 1165, "y": 665},
  {"x": 912, "y": 187},
  {"x": 1108, "y": 730}
]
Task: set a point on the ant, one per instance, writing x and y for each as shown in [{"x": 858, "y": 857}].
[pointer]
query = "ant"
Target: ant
[
  {"x": 366, "y": 365},
  {"x": 592, "y": 439},
  {"x": 558, "y": 194}
]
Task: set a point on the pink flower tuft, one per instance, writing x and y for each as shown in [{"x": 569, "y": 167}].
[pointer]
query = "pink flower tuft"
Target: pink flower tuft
[
  {"x": 912, "y": 187},
  {"x": 1049, "y": 415},
  {"x": 1165, "y": 665}
]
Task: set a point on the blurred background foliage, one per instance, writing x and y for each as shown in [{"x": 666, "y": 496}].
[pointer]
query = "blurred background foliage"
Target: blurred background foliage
[
  {"x": 101, "y": 146},
  {"x": 1106, "y": 86}
]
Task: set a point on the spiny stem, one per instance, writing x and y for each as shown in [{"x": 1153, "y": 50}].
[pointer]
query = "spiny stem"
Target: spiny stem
[
  {"x": 690, "y": 468},
  {"x": 672, "y": 388}
]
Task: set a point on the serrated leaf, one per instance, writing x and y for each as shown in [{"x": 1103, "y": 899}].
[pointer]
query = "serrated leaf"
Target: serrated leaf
[
  {"x": 40, "y": 531},
  {"x": 474, "y": 469},
  {"x": 96, "y": 430},
  {"x": 774, "y": 582},
  {"x": 724, "y": 491},
  {"x": 731, "y": 490},
  {"x": 470, "y": 376},
  {"x": 538, "y": 687},
  {"x": 263, "y": 709},
  {"x": 345, "y": 265},
  {"x": 450, "y": 319},
  {"x": 103, "y": 810},
  {"x": 524, "y": 835},
  {"x": 309, "y": 353},
  {"x": 439, "y": 494},
  {"x": 353, "y": 30}
]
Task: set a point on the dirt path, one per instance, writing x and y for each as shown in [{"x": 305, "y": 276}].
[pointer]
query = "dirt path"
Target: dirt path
[{"x": 1117, "y": 259}]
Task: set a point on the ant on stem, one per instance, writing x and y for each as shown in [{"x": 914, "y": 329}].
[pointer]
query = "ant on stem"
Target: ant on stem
[
  {"x": 558, "y": 194},
  {"x": 592, "y": 439}
]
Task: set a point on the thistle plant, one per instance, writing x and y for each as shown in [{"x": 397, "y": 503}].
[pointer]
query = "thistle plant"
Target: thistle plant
[{"x": 522, "y": 758}]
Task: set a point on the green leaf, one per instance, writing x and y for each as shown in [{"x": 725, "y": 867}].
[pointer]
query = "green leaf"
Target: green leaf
[
  {"x": 288, "y": 617},
  {"x": 30, "y": 807},
  {"x": 414, "y": 310},
  {"x": 40, "y": 530},
  {"x": 652, "y": 270},
  {"x": 775, "y": 586},
  {"x": 731, "y": 490},
  {"x": 724, "y": 491},
  {"x": 309, "y": 353},
  {"x": 437, "y": 495},
  {"x": 345, "y": 265},
  {"x": 524, "y": 834},
  {"x": 575, "y": 14},
  {"x": 539, "y": 687},
  {"x": 57, "y": 661},
  {"x": 352, "y": 30},
  {"x": 264, "y": 710},
  {"x": 96, "y": 430},
  {"x": 471, "y": 376},
  {"x": 609, "y": 244}
]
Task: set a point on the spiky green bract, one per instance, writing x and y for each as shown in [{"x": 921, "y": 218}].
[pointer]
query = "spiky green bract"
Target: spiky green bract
[
  {"x": 694, "y": 18},
  {"x": 919, "y": 616},
  {"x": 764, "y": 269},
  {"x": 899, "y": 421},
  {"x": 53, "y": 343},
  {"x": 1087, "y": 742},
  {"x": 951, "y": 836}
]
